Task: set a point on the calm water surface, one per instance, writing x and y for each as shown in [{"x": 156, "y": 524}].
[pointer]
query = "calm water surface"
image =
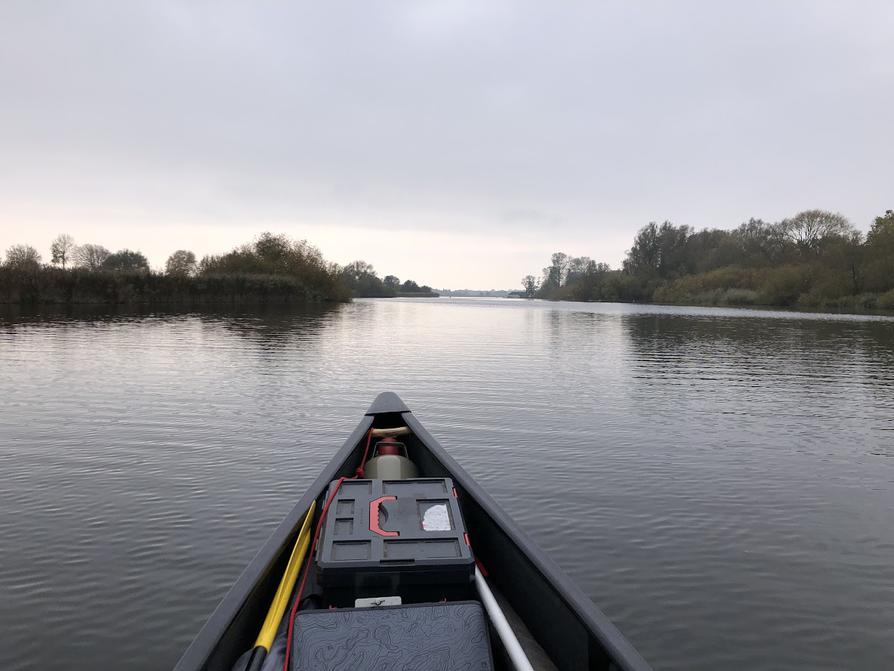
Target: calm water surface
[{"x": 718, "y": 481}]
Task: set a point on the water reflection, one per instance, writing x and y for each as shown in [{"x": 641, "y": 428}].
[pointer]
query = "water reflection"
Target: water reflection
[{"x": 706, "y": 476}]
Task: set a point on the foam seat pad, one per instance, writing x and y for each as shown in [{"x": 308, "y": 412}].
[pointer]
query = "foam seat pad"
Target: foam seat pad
[{"x": 450, "y": 636}]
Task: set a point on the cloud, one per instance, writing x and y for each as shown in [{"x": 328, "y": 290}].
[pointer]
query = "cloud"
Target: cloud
[{"x": 446, "y": 117}]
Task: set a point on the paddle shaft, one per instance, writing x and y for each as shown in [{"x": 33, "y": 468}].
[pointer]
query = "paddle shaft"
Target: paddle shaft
[{"x": 281, "y": 599}]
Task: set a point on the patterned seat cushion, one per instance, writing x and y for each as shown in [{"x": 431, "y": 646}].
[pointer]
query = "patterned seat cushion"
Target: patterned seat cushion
[{"x": 422, "y": 637}]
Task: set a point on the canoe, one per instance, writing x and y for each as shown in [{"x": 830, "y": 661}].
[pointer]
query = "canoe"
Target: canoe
[{"x": 556, "y": 623}]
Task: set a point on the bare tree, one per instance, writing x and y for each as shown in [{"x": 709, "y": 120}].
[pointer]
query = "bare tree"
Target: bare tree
[
  {"x": 22, "y": 257},
  {"x": 181, "y": 263},
  {"x": 560, "y": 265},
  {"x": 809, "y": 228},
  {"x": 91, "y": 256},
  {"x": 62, "y": 248},
  {"x": 555, "y": 274},
  {"x": 529, "y": 282}
]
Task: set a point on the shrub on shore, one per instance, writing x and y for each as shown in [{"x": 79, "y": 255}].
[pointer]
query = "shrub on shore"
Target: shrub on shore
[
  {"x": 78, "y": 286},
  {"x": 886, "y": 300},
  {"x": 273, "y": 269},
  {"x": 815, "y": 259}
]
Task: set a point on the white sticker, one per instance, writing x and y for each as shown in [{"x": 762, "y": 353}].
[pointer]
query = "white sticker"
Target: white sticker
[{"x": 436, "y": 518}]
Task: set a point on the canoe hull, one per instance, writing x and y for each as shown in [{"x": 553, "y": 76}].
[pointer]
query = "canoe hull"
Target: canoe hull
[{"x": 565, "y": 622}]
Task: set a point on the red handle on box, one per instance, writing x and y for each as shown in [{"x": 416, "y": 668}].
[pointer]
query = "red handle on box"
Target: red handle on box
[{"x": 374, "y": 516}]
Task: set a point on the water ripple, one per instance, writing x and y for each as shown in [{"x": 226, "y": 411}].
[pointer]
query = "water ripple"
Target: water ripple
[{"x": 719, "y": 481}]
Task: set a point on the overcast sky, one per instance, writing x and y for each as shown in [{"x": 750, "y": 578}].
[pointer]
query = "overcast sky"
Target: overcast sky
[{"x": 456, "y": 143}]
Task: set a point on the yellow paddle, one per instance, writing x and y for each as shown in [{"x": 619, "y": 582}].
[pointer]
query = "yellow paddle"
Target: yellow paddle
[{"x": 283, "y": 592}]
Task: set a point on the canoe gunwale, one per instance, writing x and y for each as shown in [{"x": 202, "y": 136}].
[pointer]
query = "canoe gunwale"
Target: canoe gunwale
[
  {"x": 205, "y": 647},
  {"x": 622, "y": 652}
]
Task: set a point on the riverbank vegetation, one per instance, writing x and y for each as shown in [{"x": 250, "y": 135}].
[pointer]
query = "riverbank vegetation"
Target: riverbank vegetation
[
  {"x": 272, "y": 269},
  {"x": 815, "y": 259},
  {"x": 362, "y": 279}
]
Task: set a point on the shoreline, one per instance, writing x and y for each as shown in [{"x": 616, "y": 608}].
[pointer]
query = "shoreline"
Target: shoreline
[{"x": 879, "y": 312}]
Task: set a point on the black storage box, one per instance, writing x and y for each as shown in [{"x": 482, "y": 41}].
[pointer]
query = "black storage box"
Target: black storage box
[
  {"x": 395, "y": 538},
  {"x": 446, "y": 637}
]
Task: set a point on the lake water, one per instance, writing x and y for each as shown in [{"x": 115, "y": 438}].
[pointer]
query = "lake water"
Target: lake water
[{"x": 718, "y": 481}]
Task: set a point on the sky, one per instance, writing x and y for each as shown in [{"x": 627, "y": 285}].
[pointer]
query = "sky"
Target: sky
[{"x": 455, "y": 143}]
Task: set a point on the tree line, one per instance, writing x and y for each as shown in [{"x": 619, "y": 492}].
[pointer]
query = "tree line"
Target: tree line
[
  {"x": 273, "y": 268},
  {"x": 815, "y": 259},
  {"x": 363, "y": 280}
]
